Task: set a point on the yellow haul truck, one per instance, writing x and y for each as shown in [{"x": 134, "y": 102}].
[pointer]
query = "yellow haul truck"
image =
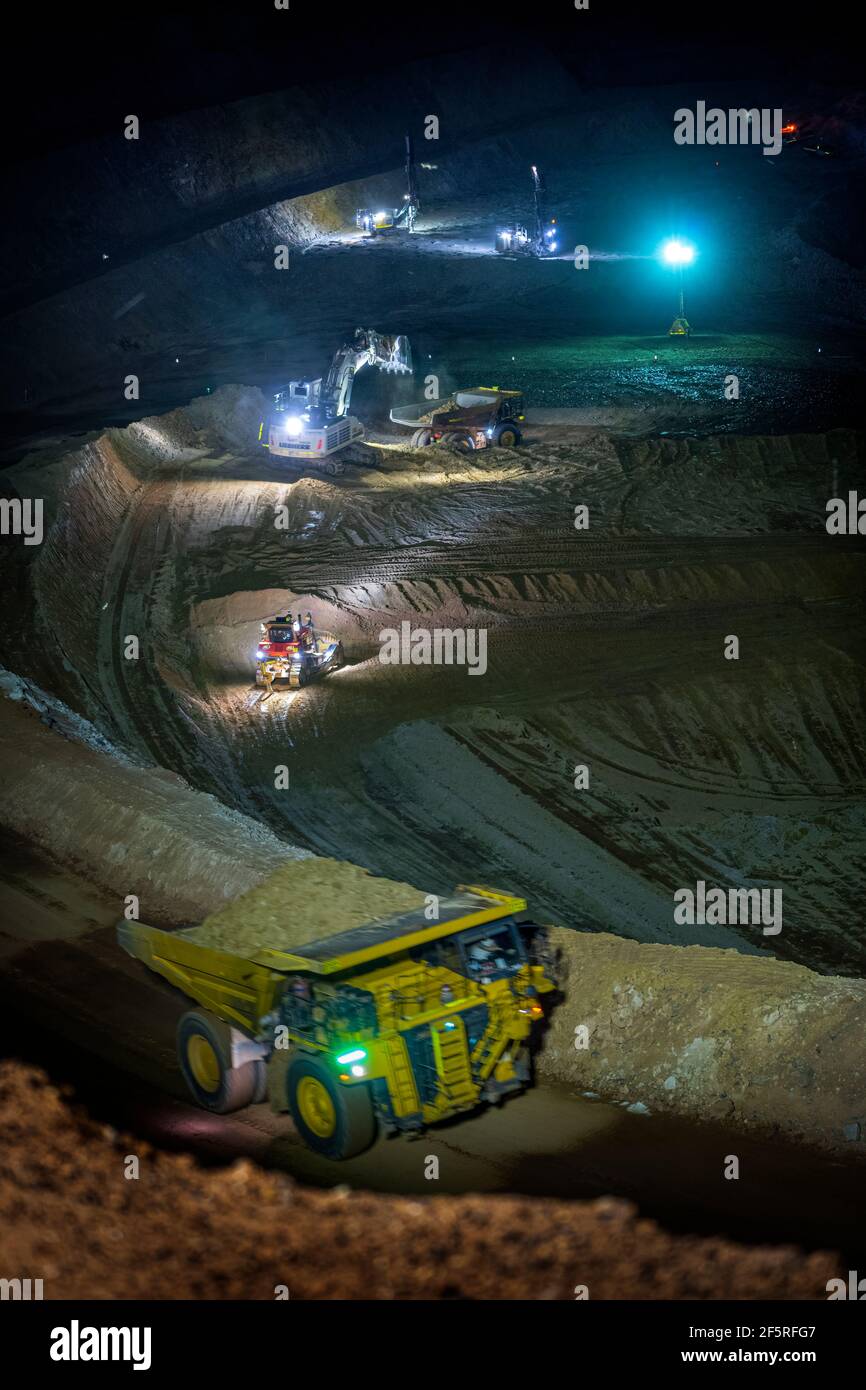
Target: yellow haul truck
[{"x": 394, "y": 1024}]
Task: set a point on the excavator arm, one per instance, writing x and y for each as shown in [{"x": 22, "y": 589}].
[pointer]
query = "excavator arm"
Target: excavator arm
[{"x": 369, "y": 348}]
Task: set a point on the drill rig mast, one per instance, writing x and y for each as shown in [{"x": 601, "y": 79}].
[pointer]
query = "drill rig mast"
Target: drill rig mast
[
  {"x": 389, "y": 219},
  {"x": 516, "y": 240}
]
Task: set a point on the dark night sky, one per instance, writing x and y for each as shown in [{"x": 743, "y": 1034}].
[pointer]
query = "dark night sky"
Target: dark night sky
[{"x": 81, "y": 64}]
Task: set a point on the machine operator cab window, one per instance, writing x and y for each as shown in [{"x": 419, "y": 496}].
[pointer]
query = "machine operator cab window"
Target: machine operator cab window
[
  {"x": 280, "y": 633},
  {"x": 511, "y": 408},
  {"x": 491, "y": 952}
]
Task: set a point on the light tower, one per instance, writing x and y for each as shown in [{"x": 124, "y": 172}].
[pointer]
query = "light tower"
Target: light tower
[{"x": 679, "y": 254}]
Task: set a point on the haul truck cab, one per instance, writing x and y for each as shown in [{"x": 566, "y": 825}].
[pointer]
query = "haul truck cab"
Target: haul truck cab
[{"x": 392, "y": 1025}]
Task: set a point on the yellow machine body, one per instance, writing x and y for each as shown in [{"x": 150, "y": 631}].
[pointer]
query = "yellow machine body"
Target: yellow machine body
[{"x": 434, "y": 1017}]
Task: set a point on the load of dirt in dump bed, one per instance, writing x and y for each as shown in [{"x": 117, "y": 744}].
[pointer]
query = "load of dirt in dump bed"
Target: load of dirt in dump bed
[
  {"x": 69, "y": 1216},
  {"x": 304, "y": 900},
  {"x": 759, "y": 1044}
]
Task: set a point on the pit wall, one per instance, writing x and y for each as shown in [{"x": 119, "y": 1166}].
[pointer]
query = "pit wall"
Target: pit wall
[
  {"x": 61, "y": 637},
  {"x": 183, "y": 299},
  {"x": 196, "y": 170}
]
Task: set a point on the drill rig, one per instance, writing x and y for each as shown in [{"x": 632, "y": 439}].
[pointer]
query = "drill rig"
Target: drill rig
[
  {"x": 388, "y": 220},
  {"x": 515, "y": 240},
  {"x": 311, "y": 419}
]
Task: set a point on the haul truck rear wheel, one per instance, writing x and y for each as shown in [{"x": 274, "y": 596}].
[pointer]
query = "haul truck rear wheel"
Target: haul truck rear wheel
[
  {"x": 463, "y": 443},
  {"x": 334, "y": 1120},
  {"x": 204, "y": 1050}
]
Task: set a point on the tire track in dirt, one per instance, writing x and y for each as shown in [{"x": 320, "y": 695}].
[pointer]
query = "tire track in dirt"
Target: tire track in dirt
[{"x": 545, "y": 553}]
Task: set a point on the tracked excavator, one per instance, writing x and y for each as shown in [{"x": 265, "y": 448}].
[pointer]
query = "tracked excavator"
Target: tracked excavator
[
  {"x": 311, "y": 419},
  {"x": 542, "y": 240},
  {"x": 390, "y": 219}
]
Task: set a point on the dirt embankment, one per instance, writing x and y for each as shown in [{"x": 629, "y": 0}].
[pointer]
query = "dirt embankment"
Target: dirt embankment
[
  {"x": 130, "y": 830},
  {"x": 70, "y": 1216},
  {"x": 754, "y": 1043}
]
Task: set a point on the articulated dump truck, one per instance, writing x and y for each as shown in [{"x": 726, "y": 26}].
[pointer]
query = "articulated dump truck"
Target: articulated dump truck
[{"x": 394, "y": 1024}]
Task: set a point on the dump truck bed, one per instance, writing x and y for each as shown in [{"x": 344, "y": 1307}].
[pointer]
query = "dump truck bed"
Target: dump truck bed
[
  {"x": 237, "y": 990},
  {"x": 242, "y": 988},
  {"x": 479, "y": 400}
]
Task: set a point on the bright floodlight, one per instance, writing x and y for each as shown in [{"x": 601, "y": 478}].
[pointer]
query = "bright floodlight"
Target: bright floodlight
[{"x": 678, "y": 253}]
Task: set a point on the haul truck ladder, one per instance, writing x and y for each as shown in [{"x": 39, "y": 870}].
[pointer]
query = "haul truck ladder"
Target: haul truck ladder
[{"x": 452, "y": 1062}]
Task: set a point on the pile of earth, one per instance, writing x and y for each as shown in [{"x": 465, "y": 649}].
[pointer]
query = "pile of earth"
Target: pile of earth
[
  {"x": 748, "y": 1041},
  {"x": 71, "y": 1216},
  {"x": 302, "y": 901}
]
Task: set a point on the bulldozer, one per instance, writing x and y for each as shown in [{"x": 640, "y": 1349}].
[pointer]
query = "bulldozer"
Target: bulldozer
[
  {"x": 294, "y": 652},
  {"x": 311, "y": 420},
  {"x": 482, "y": 417}
]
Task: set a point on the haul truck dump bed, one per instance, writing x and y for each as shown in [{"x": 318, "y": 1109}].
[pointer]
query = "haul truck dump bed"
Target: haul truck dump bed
[{"x": 393, "y": 1024}]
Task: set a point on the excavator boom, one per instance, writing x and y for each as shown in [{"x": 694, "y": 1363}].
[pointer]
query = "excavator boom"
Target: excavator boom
[{"x": 369, "y": 348}]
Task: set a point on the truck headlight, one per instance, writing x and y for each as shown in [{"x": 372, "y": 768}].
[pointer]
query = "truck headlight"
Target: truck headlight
[{"x": 357, "y": 1054}]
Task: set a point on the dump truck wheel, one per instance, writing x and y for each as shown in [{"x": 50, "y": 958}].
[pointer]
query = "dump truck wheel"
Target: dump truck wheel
[
  {"x": 421, "y": 438},
  {"x": 204, "y": 1054},
  {"x": 507, "y": 437},
  {"x": 463, "y": 443},
  {"x": 333, "y": 1120}
]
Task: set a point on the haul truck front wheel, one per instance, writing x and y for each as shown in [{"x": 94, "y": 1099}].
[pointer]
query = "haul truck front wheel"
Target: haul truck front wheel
[
  {"x": 334, "y": 1120},
  {"x": 204, "y": 1050},
  {"x": 507, "y": 436}
]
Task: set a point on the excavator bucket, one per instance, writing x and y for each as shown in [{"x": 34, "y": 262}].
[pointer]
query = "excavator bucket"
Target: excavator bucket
[{"x": 400, "y": 358}]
